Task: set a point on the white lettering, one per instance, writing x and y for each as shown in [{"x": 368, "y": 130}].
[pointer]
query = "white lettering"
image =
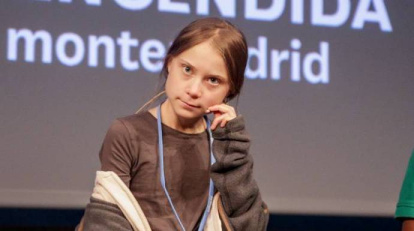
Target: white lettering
[
  {"x": 79, "y": 49},
  {"x": 227, "y": 8},
  {"x": 175, "y": 7},
  {"x": 297, "y": 11},
  {"x": 125, "y": 42},
  {"x": 30, "y": 39},
  {"x": 88, "y": 2},
  {"x": 277, "y": 59},
  {"x": 295, "y": 62},
  {"x": 311, "y": 61},
  {"x": 275, "y": 10},
  {"x": 260, "y": 54},
  {"x": 323, "y": 60},
  {"x": 93, "y": 51},
  {"x": 152, "y": 49},
  {"x": 70, "y": 51},
  {"x": 334, "y": 20},
  {"x": 134, "y": 4},
  {"x": 379, "y": 15}
]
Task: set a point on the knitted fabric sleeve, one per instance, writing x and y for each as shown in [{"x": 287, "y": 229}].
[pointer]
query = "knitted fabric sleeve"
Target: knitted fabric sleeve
[{"x": 233, "y": 177}]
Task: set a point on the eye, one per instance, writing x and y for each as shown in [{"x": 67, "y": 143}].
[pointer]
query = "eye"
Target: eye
[
  {"x": 187, "y": 69},
  {"x": 214, "y": 80}
]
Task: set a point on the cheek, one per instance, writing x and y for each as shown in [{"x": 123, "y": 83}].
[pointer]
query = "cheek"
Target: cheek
[
  {"x": 171, "y": 78},
  {"x": 169, "y": 83},
  {"x": 214, "y": 99},
  {"x": 174, "y": 86}
]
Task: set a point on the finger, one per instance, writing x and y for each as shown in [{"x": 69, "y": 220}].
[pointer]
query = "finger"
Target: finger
[
  {"x": 214, "y": 110},
  {"x": 215, "y": 113},
  {"x": 223, "y": 109},
  {"x": 223, "y": 122},
  {"x": 220, "y": 107},
  {"x": 217, "y": 120}
]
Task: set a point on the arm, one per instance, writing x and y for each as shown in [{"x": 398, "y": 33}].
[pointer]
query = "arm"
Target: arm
[
  {"x": 408, "y": 225},
  {"x": 117, "y": 152},
  {"x": 115, "y": 155},
  {"x": 232, "y": 175},
  {"x": 103, "y": 216},
  {"x": 405, "y": 205}
]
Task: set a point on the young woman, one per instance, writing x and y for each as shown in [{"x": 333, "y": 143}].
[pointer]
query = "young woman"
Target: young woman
[{"x": 171, "y": 159}]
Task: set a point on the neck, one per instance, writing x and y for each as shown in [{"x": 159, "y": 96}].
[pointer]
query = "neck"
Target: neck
[{"x": 169, "y": 118}]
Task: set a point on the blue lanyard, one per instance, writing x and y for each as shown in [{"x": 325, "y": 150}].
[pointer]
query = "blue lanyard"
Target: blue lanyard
[{"x": 162, "y": 176}]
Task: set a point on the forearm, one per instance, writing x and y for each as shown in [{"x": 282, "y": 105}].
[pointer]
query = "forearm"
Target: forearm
[
  {"x": 408, "y": 225},
  {"x": 233, "y": 178},
  {"x": 104, "y": 216}
]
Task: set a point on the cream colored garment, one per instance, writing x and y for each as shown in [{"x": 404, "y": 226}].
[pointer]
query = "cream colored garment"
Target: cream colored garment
[
  {"x": 110, "y": 188},
  {"x": 213, "y": 220}
]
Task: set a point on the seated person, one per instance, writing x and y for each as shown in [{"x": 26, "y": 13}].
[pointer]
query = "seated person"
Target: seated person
[{"x": 405, "y": 205}]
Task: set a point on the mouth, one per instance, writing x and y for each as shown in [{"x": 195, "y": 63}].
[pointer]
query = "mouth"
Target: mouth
[{"x": 189, "y": 104}]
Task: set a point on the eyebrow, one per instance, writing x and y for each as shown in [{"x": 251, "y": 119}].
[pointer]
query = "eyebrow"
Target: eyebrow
[
  {"x": 187, "y": 63},
  {"x": 210, "y": 75}
]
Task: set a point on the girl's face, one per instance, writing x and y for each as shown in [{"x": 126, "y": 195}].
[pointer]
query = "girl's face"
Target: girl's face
[{"x": 197, "y": 79}]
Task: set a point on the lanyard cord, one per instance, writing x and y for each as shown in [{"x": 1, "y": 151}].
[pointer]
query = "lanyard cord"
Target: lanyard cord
[{"x": 162, "y": 175}]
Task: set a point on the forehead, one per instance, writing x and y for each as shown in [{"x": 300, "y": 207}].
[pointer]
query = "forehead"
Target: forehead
[{"x": 205, "y": 58}]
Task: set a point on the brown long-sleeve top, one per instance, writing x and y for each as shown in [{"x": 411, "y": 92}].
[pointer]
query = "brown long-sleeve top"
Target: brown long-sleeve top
[{"x": 130, "y": 149}]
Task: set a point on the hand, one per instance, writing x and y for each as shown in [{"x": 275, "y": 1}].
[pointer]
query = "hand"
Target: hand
[{"x": 222, "y": 114}]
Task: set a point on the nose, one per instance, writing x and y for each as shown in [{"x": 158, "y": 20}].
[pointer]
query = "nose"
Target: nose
[{"x": 194, "y": 88}]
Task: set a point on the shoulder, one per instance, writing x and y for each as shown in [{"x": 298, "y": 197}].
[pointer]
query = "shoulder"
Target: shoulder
[
  {"x": 136, "y": 124},
  {"x": 405, "y": 205},
  {"x": 409, "y": 176},
  {"x": 411, "y": 161}
]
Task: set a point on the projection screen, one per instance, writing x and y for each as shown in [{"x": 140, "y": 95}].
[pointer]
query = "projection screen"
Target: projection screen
[{"x": 328, "y": 96}]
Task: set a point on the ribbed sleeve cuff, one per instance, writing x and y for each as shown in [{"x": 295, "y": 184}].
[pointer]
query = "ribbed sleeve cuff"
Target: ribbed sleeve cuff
[
  {"x": 404, "y": 210},
  {"x": 234, "y": 125}
]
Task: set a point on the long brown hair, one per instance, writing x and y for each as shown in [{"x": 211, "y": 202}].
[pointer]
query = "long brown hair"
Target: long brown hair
[{"x": 225, "y": 37}]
